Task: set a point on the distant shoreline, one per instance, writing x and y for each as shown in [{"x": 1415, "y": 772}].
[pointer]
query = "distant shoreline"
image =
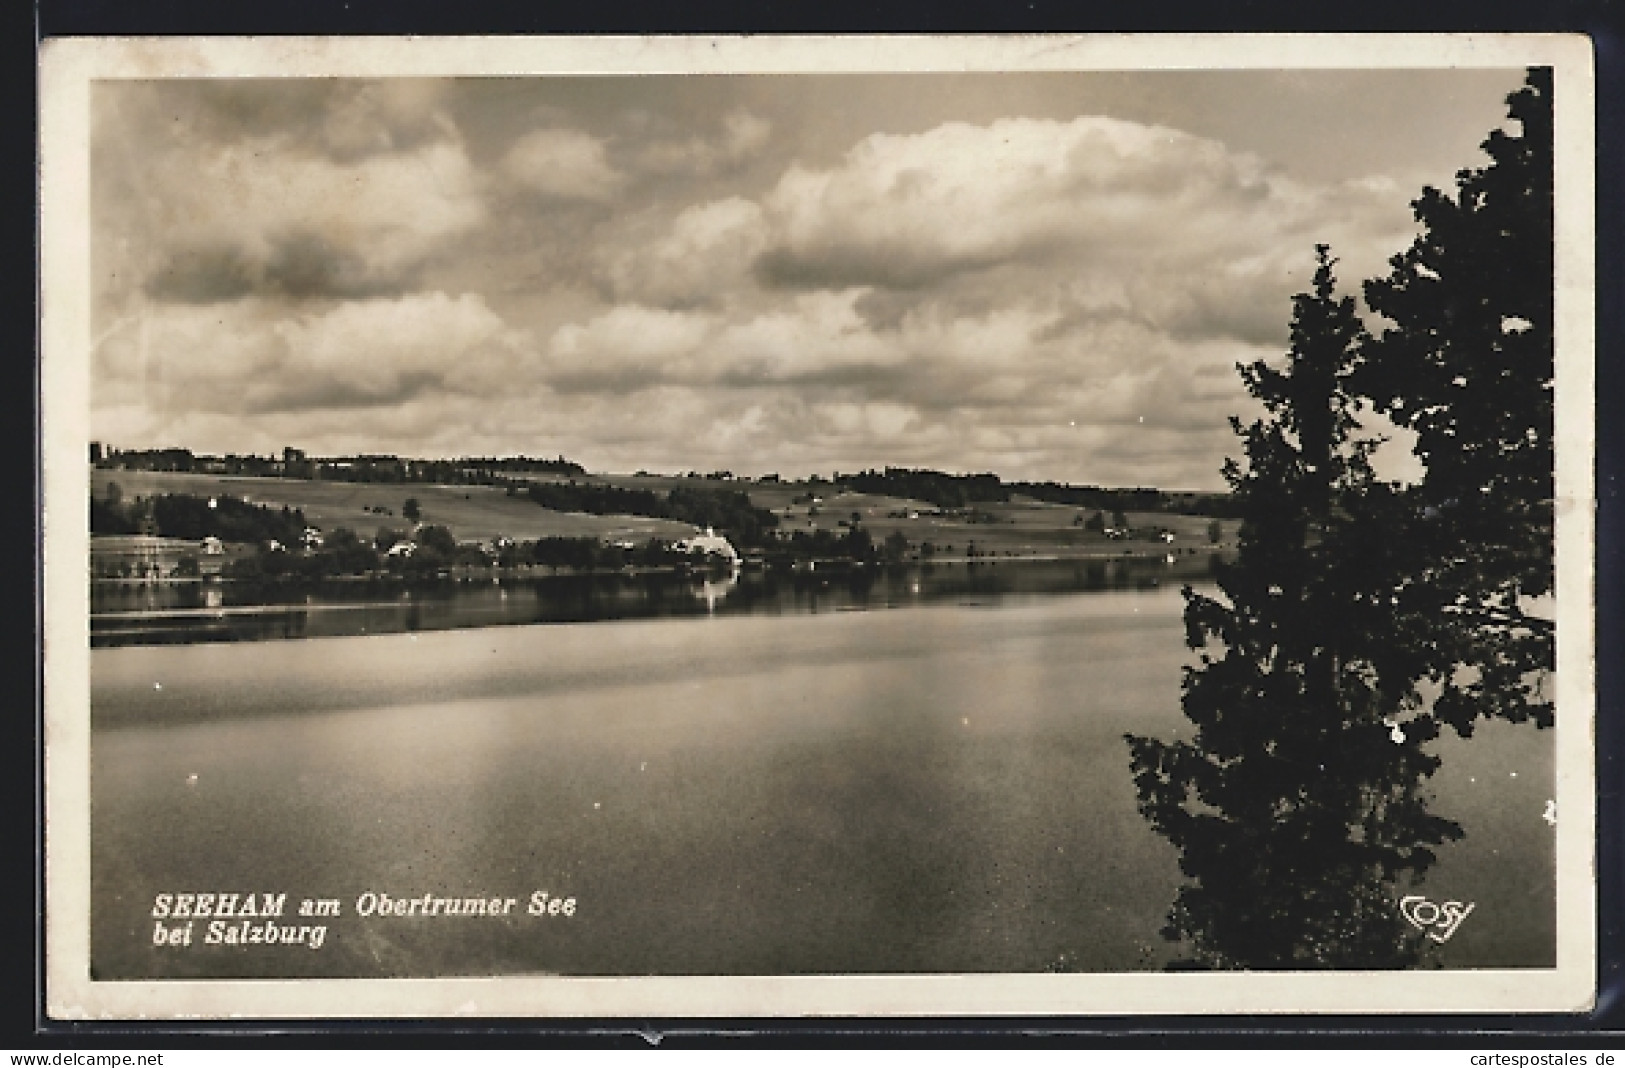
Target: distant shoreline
[
  {"x": 469, "y": 573},
  {"x": 128, "y": 613}
]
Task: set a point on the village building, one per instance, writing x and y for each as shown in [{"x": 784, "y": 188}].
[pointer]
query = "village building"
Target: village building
[{"x": 710, "y": 543}]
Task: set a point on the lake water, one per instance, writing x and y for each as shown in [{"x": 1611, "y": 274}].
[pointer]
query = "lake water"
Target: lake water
[
  {"x": 154, "y": 614},
  {"x": 936, "y": 788}
]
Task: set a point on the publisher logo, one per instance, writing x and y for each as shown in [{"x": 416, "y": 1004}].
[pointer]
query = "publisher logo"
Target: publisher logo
[{"x": 1438, "y": 921}]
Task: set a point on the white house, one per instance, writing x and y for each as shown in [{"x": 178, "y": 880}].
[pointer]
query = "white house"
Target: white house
[{"x": 710, "y": 542}]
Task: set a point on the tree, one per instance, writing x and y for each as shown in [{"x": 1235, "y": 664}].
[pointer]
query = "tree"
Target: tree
[
  {"x": 107, "y": 514},
  {"x": 858, "y": 545},
  {"x": 1215, "y": 532},
  {"x": 1467, "y": 366},
  {"x": 437, "y": 538},
  {"x": 410, "y": 510},
  {"x": 344, "y": 550},
  {"x": 1293, "y": 806},
  {"x": 1360, "y": 616}
]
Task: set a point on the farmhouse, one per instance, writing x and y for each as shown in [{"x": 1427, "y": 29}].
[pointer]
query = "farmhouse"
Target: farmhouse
[{"x": 712, "y": 543}]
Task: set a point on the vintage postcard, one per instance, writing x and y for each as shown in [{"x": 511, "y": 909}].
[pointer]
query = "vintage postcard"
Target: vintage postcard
[{"x": 695, "y": 527}]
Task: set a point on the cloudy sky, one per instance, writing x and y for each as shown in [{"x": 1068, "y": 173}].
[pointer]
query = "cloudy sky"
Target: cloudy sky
[{"x": 1042, "y": 275}]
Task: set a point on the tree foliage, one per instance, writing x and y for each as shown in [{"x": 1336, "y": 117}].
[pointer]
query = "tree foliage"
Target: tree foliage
[
  {"x": 942, "y": 490},
  {"x": 185, "y": 515},
  {"x": 1467, "y": 367},
  {"x": 1360, "y": 616},
  {"x": 728, "y": 511},
  {"x": 1292, "y": 806}
]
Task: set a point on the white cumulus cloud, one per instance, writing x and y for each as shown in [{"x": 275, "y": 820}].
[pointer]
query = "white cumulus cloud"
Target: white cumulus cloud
[
  {"x": 256, "y": 356},
  {"x": 562, "y": 164}
]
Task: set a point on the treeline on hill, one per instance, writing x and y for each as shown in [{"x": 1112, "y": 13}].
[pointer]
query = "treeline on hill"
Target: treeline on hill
[
  {"x": 470, "y": 471},
  {"x": 727, "y": 511},
  {"x": 182, "y": 515},
  {"x": 940, "y": 489},
  {"x": 731, "y": 514},
  {"x": 467, "y": 472},
  {"x": 1138, "y": 499},
  {"x": 960, "y": 491}
]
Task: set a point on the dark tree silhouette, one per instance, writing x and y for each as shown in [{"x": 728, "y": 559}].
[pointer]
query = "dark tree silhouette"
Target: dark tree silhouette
[
  {"x": 1467, "y": 365},
  {"x": 437, "y": 538},
  {"x": 1297, "y": 805},
  {"x": 1359, "y": 616}
]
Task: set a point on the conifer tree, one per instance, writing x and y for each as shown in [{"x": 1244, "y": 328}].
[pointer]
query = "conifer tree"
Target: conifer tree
[
  {"x": 1467, "y": 365},
  {"x": 1359, "y": 616},
  {"x": 1297, "y": 805}
]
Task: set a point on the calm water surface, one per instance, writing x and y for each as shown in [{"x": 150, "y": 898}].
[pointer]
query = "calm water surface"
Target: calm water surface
[
  {"x": 181, "y": 613},
  {"x": 935, "y": 788}
]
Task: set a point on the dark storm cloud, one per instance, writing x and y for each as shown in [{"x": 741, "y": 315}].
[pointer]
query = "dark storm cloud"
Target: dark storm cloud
[
  {"x": 307, "y": 265},
  {"x": 227, "y": 109},
  {"x": 299, "y": 266},
  {"x": 204, "y": 274},
  {"x": 894, "y": 268},
  {"x": 341, "y": 119}
]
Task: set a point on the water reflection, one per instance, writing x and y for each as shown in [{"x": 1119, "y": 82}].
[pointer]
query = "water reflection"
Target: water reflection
[
  {"x": 156, "y": 615},
  {"x": 713, "y": 590},
  {"x": 886, "y": 791},
  {"x": 841, "y": 792}
]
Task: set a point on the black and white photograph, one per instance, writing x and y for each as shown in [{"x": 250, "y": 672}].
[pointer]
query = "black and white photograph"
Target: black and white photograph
[{"x": 818, "y": 526}]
